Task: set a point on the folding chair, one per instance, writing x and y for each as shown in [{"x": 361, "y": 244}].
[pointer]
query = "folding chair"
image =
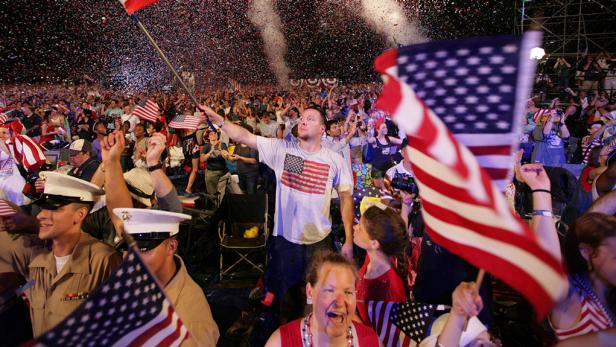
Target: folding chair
[{"x": 239, "y": 212}]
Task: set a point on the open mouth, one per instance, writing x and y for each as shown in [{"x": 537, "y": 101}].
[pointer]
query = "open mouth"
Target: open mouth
[{"x": 336, "y": 317}]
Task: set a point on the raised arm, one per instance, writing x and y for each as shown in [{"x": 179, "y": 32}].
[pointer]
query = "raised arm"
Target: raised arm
[
  {"x": 117, "y": 195},
  {"x": 235, "y": 132},
  {"x": 536, "y": 178}
]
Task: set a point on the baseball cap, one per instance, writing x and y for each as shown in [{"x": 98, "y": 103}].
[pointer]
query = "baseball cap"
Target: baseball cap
[{"x": 80, "y": 146}]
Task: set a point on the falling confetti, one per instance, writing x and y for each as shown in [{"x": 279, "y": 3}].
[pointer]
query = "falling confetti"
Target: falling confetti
[{"x": 56, "y": 41}]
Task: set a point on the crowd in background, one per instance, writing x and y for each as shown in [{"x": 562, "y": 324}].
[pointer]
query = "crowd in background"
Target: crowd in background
[{"x": 400, "y": 262}]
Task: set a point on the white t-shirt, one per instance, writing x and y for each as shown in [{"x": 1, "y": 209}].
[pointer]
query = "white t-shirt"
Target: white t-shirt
[
  {"x": 269, "y": 129},
  {"x": 399, "y": 168},
  {"x": 304, "y": 184},
  {"x": 341, "y": 147},
  {"x": 61, "y": 261}
]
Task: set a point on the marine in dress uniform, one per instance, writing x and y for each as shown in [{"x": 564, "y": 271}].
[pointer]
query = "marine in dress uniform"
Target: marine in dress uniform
[
  {"x": 61, "y": 277},
  {"x": 154, "y": 231}
]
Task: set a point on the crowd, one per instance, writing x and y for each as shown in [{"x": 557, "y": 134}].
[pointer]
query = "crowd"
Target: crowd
[{"x": 343, "y": 194}]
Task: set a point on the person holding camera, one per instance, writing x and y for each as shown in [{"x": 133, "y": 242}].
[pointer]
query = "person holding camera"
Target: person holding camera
[{"x": 550, "y": 138}]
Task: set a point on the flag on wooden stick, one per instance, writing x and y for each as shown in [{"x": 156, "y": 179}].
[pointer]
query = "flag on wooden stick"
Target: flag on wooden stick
[{"x": 459, "y": 104}]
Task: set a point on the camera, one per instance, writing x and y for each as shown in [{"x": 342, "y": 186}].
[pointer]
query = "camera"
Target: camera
[{"x": 405, "y": 183}]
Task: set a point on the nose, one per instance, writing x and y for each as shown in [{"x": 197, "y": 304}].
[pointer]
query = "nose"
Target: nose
[
  {"x": 340, "y": 298},
  {"x": 44, "y": 214}
]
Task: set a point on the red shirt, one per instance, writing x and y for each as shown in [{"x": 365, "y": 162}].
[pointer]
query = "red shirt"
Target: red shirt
[
  {"x": 291, "y": 336},
  {"x": 387, "y": 287}
]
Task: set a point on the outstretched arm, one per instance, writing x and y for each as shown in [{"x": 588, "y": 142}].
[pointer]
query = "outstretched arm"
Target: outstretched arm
[{"x": 235, "y": 132}]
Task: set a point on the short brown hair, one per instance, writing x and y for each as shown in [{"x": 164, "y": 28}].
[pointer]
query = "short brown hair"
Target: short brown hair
[{"x": 321, "y": 258}]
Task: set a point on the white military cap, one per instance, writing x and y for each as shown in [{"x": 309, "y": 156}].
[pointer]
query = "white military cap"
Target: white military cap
[
  {"x": 61, "y": 189},
  {"x": 142, "y": 221}
]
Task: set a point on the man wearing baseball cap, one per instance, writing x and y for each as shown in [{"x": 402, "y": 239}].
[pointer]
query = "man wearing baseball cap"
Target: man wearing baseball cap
[
  {"x": 154, "y": 232},
  {"x": 62, "y": 277},
  {"x": 83, "y": 159}
]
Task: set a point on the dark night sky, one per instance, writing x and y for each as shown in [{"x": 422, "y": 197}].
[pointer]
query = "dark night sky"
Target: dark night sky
[{"x": 58, "y": 39}]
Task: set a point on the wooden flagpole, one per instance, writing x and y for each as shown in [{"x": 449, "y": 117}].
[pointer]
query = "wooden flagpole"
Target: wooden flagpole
[{"x": 175, "y": 73}]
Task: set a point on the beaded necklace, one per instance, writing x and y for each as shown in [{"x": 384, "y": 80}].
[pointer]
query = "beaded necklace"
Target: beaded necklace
[
  {"x": 585, "y": 285},
  {"x": 307, "y": 340}
]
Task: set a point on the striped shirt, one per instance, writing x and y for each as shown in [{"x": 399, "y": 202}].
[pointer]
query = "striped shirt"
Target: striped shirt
[{"x": 593, "y": 318}]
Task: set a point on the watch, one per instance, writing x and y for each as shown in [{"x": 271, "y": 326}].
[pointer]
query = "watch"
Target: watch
[
  {"x": 158, "y": 166},
  {"x": 545, "y": 213}
]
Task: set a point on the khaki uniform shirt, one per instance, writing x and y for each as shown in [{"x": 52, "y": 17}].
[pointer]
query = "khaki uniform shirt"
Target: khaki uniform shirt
[
  {"x": 192, "y": 308},
  {"x": 54, "y": 296}
]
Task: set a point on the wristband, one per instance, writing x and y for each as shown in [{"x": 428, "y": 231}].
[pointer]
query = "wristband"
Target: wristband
[
  {"x": 158, "y": 166},
  {"x": 541, "y": 191},
  {"x": 545, "y": 213},
  {"x": 221, "y": 124}
]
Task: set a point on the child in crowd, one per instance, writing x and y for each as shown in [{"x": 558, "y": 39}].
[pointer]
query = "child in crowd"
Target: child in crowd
[{"x": 382, "y": 233}]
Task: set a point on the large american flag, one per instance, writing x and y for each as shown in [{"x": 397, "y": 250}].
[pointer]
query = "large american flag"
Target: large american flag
[
  {"x": 185, "y": 122},
  {"x": 400, "y": 324},
  {"x": 473, "y": 92},
  {"x": 129, "y": 309},
  {"x": 304, "y": 175},
  {"x": 133, "y": 6},
  {"x": 147, "y": 110}
]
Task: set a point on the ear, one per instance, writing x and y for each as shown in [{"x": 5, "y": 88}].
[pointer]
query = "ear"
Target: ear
[
  {"x": 374, "y": 244},
  {"x": 172, "y": 246},
  {"x": 79, "y": 215},
  {"x": 309, "y": 291},
  {"x": 585, "y": 251}
]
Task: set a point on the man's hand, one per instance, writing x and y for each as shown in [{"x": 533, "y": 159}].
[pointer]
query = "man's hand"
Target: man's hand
[
  {"x": 534, "y": 176},
  {"x": 347, "y": 249},
  {"x": 112, "y": 146},
  {"x": 214, "y": 117},
  {"x": 156, "y": 146}
]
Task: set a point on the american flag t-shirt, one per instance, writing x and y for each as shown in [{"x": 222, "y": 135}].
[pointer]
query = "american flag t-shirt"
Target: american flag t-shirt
[
  {"x": 129, "y": 309},
  {"x": 400, "y": 324},
  {"x": 305, "y": 175}
]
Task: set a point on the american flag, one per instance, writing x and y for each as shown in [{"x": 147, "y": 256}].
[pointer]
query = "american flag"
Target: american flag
[
  {"x": 400, "y": 324},
  {"x": 185, "y": 122},
  {"x": 3, "y": 118},
  {"x": 129, "y": 309},
  {"x": 540, "y": 113},
  {"x": 5, "y": 209},
  {"x": 27, "y": 152},
  {"x": 133, "y": 6},
  {"x": 477, "y": 87},
  {"x": 304, "y": 175},
  {"x": 147, "y": 110}
]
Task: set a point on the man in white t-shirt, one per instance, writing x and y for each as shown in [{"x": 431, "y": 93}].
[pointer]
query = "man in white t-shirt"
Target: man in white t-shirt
[
  {"x": 403, "y": 167},
  {"x": 306, "y": 174}
]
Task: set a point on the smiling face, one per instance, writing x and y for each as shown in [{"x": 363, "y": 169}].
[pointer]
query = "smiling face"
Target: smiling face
[
  {"x": 334, "y": 299},
  {"x": 56, "y": 223}
]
